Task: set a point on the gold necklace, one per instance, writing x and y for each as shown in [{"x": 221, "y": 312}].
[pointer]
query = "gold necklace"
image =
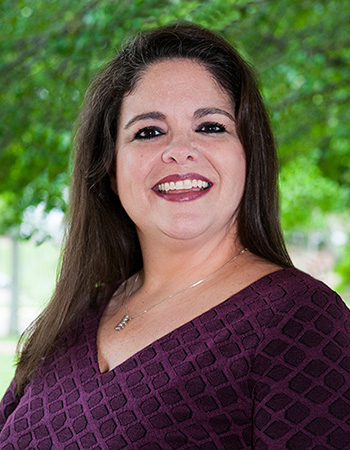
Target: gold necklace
[{"x": 121, "y": 325}]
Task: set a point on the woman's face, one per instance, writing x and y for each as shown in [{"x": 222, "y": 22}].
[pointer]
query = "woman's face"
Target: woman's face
[{"x": 180, "y": 167}]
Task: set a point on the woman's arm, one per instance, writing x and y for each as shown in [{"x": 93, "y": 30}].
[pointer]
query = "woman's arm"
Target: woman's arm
[{"x": 302, "y": 374}]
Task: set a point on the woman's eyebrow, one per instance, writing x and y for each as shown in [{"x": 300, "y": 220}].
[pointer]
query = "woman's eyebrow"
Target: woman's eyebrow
[
  {"x": 202, "y": 112},
  {"x": 148, "y": 115},
  {"x": 199, "y": 113}
]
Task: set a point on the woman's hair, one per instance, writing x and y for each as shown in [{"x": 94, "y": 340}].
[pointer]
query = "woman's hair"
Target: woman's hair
[{"x": 102, "y": 244}]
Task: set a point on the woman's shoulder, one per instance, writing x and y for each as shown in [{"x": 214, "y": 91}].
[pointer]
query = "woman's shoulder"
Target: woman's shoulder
[
  {"x": 293, "y": 305},
  {"x": 290, "y": 301},
  {"x": 8, "y": 403},
  {"x": 296, "y": 285},
  {"x": 301, "y": 362}
]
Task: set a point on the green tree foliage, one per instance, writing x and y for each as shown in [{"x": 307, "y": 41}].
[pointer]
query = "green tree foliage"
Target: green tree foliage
[{"x": 50, "y": 50}]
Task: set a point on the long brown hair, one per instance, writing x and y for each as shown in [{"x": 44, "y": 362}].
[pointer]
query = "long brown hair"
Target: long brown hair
[{"x": 102, "y": 244}]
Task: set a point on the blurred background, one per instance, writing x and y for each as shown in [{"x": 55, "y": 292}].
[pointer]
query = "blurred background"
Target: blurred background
[{"x": 50, "y": 50}]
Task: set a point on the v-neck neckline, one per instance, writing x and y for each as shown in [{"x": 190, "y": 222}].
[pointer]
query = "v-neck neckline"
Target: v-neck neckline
[{"x": 93, "y": 332}]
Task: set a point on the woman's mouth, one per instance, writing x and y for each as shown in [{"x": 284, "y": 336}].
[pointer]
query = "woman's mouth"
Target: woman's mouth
[{"x": 182, "y": 187}]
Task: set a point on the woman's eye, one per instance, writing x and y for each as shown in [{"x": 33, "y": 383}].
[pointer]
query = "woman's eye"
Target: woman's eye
[
  {"x": 211, "y": 127},
  {"x": 148, "y": 133}
]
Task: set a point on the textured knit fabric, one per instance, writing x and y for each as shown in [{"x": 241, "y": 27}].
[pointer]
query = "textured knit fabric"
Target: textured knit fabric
[{"x": 269, "y": 368}]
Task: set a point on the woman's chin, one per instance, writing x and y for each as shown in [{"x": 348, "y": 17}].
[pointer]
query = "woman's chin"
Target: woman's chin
[
  {"x": 190, "y": 230},
  {"x": 186, "y": 227},
  {"x": 184, "y": 235}
]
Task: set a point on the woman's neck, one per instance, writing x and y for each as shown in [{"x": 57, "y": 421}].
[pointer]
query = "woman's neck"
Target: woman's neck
[{"x": 175, "y": 263}]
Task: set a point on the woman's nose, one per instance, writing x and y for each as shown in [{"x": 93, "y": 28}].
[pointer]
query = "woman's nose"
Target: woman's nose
[{"x": 179, "y": 150}]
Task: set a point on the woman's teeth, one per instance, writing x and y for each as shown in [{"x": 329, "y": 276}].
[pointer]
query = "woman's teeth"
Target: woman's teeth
[{"x": 182, "y": 185}]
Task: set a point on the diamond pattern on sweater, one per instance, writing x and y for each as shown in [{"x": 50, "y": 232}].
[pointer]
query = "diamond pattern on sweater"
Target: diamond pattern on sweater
[{"x": 268, "y": 369}]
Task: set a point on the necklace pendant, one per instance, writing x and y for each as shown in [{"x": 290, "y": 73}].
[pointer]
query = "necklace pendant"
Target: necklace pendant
[{"x": 123, "y": 323}]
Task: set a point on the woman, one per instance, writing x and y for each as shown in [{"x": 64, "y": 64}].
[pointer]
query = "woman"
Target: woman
[{"x": 178, "y": 320}]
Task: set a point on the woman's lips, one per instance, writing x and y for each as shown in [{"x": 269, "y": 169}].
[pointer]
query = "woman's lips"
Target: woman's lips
[{"x": 182, "y": 187}]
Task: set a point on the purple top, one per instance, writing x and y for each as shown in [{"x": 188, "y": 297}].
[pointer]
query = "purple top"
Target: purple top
[{"x": 269, "y": 368}]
